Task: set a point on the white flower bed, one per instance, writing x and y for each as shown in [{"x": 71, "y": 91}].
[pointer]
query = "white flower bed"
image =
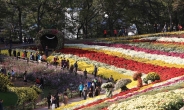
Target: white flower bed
[{"x": 170, "y": 39}]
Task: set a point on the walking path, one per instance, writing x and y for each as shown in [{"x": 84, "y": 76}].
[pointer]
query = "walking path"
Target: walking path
[{"x": 76, "y": 99}]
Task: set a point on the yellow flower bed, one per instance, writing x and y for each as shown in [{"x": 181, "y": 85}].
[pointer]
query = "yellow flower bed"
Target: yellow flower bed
[
  {"x": 5, "y": 52},
  {"x": 101, "y": 70}
]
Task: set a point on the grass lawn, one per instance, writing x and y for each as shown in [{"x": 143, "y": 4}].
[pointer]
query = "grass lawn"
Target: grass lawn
[{"x": 9, "y": 98}]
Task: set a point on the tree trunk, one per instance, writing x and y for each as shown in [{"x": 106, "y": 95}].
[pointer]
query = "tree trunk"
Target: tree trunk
[
  {"x": 38, "y": 18},
  {"x": 20, "y": 24}
]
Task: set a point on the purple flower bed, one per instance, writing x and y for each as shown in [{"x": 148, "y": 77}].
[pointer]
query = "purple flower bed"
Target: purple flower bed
[
  {"x": 59, "y": 81},
  {"x": 54, "y": 78}
]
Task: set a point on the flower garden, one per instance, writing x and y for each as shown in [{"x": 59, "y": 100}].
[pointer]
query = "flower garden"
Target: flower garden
[{"x": 159, "y": 55}]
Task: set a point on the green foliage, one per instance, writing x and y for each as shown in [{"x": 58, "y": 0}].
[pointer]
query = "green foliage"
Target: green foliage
[
  {"x": 4, "y": 82},
  {"x": 25, "y": 94},
  {"x": 9, "y": 98},
  {"x": 151, "y": 76},
  {"x": 38, "y": 90},
  {"x": 174, "y": 105}
]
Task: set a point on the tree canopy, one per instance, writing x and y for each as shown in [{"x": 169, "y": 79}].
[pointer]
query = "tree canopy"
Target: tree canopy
[{"x": 25, "y": 18}]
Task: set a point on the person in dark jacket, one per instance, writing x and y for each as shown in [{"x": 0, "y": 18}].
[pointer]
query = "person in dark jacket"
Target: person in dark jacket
[
  {"x": 49, "y": 100},
  {"x": 1, "y": 105},
  {"x": 57, "y": 100}
]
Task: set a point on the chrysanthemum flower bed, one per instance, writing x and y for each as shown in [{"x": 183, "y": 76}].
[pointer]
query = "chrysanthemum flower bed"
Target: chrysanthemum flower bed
[{"x": 150, "y": 53}]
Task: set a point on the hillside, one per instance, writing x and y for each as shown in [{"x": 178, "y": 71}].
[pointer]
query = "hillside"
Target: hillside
[{"x": 159, "y": 53}]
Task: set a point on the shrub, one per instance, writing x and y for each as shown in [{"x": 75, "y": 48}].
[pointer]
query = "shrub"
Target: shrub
[
  {"x": 175, "y": 104},
  {"x": 4, "y": 82},
  {"x": 151, "y": 76},
  {"x": 25, "y": 94},
  {"x": 38, "y": 90}
]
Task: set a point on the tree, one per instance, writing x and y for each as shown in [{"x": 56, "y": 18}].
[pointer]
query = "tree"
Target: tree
[
  {"x": 18, "y": 5},
  {"x": 114, "y": 11}
]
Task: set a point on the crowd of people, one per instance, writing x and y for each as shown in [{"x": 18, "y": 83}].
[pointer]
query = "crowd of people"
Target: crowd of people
[
  {"x": 120, "y": 32},
  {"x": 10, "y": 73},
  {"x": 166, "y": 27},
  {"x": 53, "y": 100},
  {"x": 155, "y": 27},
  {"x": 90, "y": 88}
]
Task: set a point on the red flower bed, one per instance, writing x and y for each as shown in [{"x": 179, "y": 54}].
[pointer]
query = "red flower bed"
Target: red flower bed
[{"x": 165, "y": 73}]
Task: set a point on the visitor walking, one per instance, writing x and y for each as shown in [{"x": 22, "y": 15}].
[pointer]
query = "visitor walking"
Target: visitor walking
[
  {"x": 75, "y": 67},
  {"x": 85, "y": 74},
  {"x": 165, "y": 27},
  {"x": 25, "y": 77},
  {"x": 67, "y": 64},
  {"x": 49, "y": 100},
  {"x": 85, "y": 92},
  {"x": 1, "y": 104},
  {"x": 14, "y": 52},
  {"x": 46, "y": 51},
  {"x": 31, "y": 56},
  {"x": 97, "y": 91},
  {"x": 25, "y": 54},
  {"x": 38, "y": 82},
  {"x": 12, "y": 75},
  {"x": 57, "y": 99},
  {"x": 95, "y": 71},
  {"x": 55, "y": 61},
  {"x": 105, "y": 32},
  {"x": 65, "y": 97},
  {"x": 64, "y": 63},
  {"x": 53, "y": 101},
  {"x": 71, "y": 69},
  {"x": 90, "y": 93},
  {"x": 81, "y": 87},
  {"x": 9, "y": 51},
  {"x": 111, "y": 79},
  {"x": 115, "y": 32},
  {"x": 179, "y": 27},
  {"x": 155, "y": 27}
]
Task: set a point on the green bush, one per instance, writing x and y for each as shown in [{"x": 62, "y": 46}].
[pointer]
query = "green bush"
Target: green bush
[
  {"x": 4, "y": 82},
  {"x": 176, "y": 104},
  {"x": 38, "y": 90},
  {"x": 25, "y": 94},
  {"x": 151, "y": 76}
]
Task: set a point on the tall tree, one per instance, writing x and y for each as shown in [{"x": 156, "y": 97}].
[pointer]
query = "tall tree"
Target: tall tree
[
  {"x": 19, "y": 6},
  {"x": 114, "y": 11}
]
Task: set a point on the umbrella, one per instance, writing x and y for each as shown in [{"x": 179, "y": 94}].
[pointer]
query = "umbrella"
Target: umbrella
[{"x": 122, "y": 82}]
